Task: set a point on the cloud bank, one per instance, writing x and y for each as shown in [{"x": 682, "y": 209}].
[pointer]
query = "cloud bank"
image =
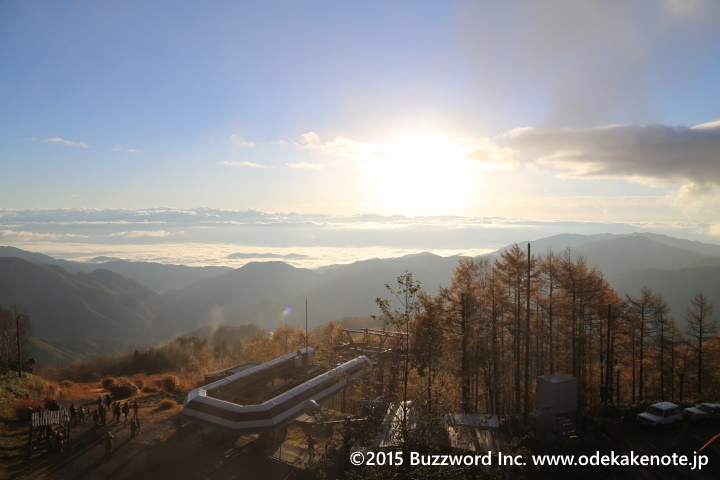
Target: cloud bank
[{"x": 650, "y": 154}]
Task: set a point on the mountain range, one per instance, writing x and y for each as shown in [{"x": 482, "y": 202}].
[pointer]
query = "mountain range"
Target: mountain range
[{"x": 80, "y": 309}]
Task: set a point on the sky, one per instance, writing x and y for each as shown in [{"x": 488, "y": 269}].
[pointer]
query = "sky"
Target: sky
[{"x": 404, "y": 125}]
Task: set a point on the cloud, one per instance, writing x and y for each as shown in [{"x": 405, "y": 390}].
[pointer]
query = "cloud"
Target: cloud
[
  {"x": 586, "y": 63},
  {"x": 323, "y": 239},
  {"x": 240, "y": 142},
  {"x": 145, "y": 233},
  {"x": 309, "y": 140},
  {"x": 243, "y": 164},
  {"x": 24, "y": 236},
  {"x": 420, "y": 151},
  {"x": 341, "y": 146},
  {"x": 119, "y": 148},
  {"x": 707, "y": 126},
  {"x": 650, "y": 154},
  {"x": 68, "y": 143},
  {"x": 713, "y": 230},
  {"x": 692, "y": 197},
  {"x": 681, "y": 7},
  {"x": 493, "y": 155},
  {"x": 289, "y": 256}
]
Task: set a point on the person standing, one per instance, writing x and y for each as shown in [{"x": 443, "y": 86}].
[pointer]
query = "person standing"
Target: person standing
[
  {"x": 311, "y": 447},
  {"x": 109, "y": 445},
  {"x": 73, "y": 414},
  {"x": 60, "y": 442}
]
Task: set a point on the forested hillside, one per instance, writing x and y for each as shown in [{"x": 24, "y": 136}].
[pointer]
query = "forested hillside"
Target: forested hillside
[{"x": 79, "y": 313}]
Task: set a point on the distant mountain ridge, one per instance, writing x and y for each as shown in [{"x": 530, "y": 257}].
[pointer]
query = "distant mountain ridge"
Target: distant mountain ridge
[
  {"x": 637, "y": 252},
  {"x": 158, "y": 277},
  {"x": 64, "y": 304},
  {"x": 102, "y": 307}
]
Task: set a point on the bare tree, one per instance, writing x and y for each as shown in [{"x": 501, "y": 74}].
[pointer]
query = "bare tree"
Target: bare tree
[
  {"x": 642, "y": 308},
  {"x": 661, "y": 323},
  {"x": 15, "y": 332},
  {"x": 401, "y": 314},
  {"x": 700, "y": 327}
]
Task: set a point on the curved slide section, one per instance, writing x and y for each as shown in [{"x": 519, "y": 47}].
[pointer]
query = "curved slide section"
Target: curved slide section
[{"x": 275, "y": 412}]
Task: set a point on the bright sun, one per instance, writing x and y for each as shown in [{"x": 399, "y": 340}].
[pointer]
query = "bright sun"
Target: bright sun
[{"x": 422, "y": 175}]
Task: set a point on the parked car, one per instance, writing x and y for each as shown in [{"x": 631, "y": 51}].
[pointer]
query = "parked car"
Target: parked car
[
  {"x": 703, "y": 413},
  {"x": 663, "y": 413}
]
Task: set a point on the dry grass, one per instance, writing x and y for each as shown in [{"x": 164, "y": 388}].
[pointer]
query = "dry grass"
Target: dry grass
[
  {"x": 21, "y": 408},
  {"x": 140, "y": 381},
  {"x": 67, "y": 384},
  {"x": 69, "y": 389},
  {"x": 173, "y": 384},
  {"x": 168, "y": 382},
  {"x": 167, "y": 404},
  {"x": 31, "y": 389}
]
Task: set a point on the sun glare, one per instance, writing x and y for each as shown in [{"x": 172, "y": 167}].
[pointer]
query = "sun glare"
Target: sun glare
[{"x": 422, "y": 175}]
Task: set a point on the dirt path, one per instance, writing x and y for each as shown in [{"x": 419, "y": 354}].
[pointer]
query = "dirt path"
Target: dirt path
[
  {"x": 158, "y": 452},
  {"x": 84, "y": 456}
]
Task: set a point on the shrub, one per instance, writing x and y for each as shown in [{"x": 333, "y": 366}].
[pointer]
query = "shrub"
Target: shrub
[
  {"x": 183, "y": 387},
  {"x": 167, "y": 404},
  {"x": 107, "y": 382},
  {"x": 21, "y": 408},
  {"x": 39, "y": 387},
  {"x": 67, "y": 384},
  {"x": 123, "y": 390},
  {"x": 149, "y": 389},
  {"x": 139, "y": 381},
  {"x": 169, "y": 383}
]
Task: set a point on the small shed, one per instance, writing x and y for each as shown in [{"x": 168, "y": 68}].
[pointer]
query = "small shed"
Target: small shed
[
  {"x": 556, "y": 398},
  {"x": 557, "y": 393}
]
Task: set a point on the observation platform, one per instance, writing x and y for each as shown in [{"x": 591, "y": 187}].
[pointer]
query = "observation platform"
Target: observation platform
[{"x": 266, "y": 397}]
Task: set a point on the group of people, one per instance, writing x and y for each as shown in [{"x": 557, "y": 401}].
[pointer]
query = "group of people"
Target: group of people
[
  {"x": 134, "y": 432},
  {"x": 55, "y": 438},
  {"x": 99, "y": 416},
  {"x": 118, "y": 409},
  {"x": 124, "y": 410},
  {"x": 77, "y": 415}
]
